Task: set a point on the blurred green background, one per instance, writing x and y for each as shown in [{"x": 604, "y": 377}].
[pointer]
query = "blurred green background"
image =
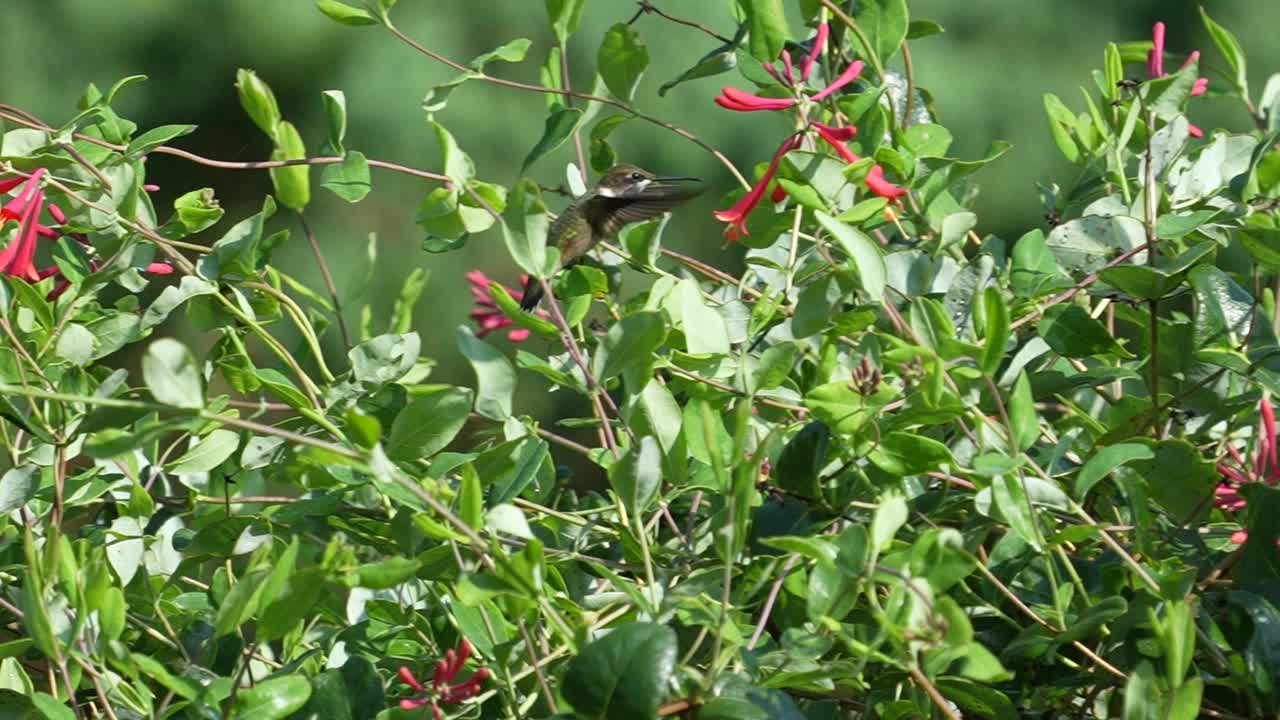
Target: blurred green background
[{"x": 988, "y": 74}]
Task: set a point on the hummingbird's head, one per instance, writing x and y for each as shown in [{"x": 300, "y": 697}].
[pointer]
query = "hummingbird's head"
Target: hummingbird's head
[{"x": 628, "y": 182}]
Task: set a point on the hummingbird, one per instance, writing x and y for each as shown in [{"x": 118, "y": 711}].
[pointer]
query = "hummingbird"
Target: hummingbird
[{"x": 625, "y": 194}]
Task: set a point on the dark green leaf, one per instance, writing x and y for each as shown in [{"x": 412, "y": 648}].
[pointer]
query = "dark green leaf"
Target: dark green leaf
[
  {"x": 1071, "y": 332},
  {"x": 350, "y": 179},
  {"x": 622, "y": 60},
  {"x": 767, "y": 23},
  {"x": 426, "y": 425},
  {"x": 624, "y": 674}
]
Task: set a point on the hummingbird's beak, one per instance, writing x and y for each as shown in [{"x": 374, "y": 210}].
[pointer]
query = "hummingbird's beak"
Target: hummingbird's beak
[{"x": 677, "y": 179}]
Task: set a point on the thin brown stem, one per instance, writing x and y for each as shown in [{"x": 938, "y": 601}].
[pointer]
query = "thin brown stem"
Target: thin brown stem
[
  {"x": 328, "y": 280},
  {"x": 572, "y": 93},
  {"x": 1070, "y": 292},
  {"x": 649, "y": 8}
]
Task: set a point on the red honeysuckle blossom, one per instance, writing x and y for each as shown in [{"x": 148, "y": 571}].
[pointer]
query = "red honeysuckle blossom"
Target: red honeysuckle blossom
[
  {"x": 17, "y": 259},
  {"x": 1263, "y": 468},
  {"x": 486, "y": 314},
  {"x": 443, "y": 689},
  {"x": 1155, "y": 68},
  {"x": 736, "y": 216},
  {"x": 732, "y": 98},
  {"x": 737, "y": 100}
]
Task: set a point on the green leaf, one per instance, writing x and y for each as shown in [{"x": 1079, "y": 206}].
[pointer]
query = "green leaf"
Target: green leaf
[
  {"x": 335, "y": 112},
  {"x": 239, "y": 252},
  {"x": 718, "y": 61},
  {"x": 349, "y": 180},
  {"x": 172, "y": 375},
  {"x": 996, "y": 336},
  {"x": 1142, "y": 696},
  {"x": 155, "y": 137},
  {"x": 1010, "y": 495},
  {"x": 1022, "y": 413},
  {"x": 1264, "y": 245},
  {"x": 622, "y": 60},
  {"x": 51, "y": 708},
  {"x": 628, "y": 344},
  {"x": 240, "y": 603},
  {"x": 560, "y": 125},
  {"x": 923, "y": 28},
  {"x": 495, "y": 377},
  {"x": 525, "y": 228},
  {"x": 890, "y": 515},
  {"x": 1071, "y": 332},
  {"x": 1106, "y": 460},
  {"x": 385, "y": 358},
  {"x": 801, "y": 461},
  {"x": 273, "y": 699},
  {"x": 864, "y": 255},
  {"x": 565, "y": 16},
  {"x": 624, "y": 674},
  {"x": 207, "y": 454},
  {"x": 637, "y": 477},
  {"x": 1230, "y": 48},
  {"x": 471, "y": 498},
  {"x": 258, "y": 101},
  {"x": 345, "y": 14},
  {"x": 885, "y": 23},
  {"x": 75, "y": 345},
  {"x": 900, "y": 454},
  {"x": 384, "y": 574},
  {"x": 767, "y": 23},
  {"x": 292, "y": 182},
  {"x": 17, "y": 486},
  {"x": 426, "y": 425},
  {"x": 1179, "y": 479}
]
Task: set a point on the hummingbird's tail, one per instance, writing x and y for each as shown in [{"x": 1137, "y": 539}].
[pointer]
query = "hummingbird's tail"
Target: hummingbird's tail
[{"x": 532, "y": 295}]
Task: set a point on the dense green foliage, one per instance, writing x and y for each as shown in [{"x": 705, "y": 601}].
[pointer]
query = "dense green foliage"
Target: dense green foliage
[{"x": 899, "y": 467}]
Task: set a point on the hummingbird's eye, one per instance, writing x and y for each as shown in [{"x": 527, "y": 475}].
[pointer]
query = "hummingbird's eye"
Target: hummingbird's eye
[{"x": 637, "y": 176}]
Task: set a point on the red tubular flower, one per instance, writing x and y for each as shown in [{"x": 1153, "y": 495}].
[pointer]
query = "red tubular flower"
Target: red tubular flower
[
  {"x": 819, "y": 42},
  {"x": 788, "y": 68},
  {"x": 1155, "y": 56},
  {"x": 486, "y": 315},
  {"x": 837, "y": 137},
  {"x": 443, "y": 689},
  {"x": 736, "y": 216},
  {"x": 1263, "y": 468},
  {"x": 731, "y": 98},
  {"x": 845, "y": 78},
  {"x": 1155, "y": 69},
  {"x": 878, "y": 185}
]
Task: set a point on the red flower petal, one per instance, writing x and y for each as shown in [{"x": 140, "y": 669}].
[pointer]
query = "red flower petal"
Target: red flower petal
[
  {"x": 736, "y": 216},
  {"x": 819, "y": 42},
  {"x": 788, "y": 68},
  {"x": 878, "y": 185},
  {"x": 836, "y": 137},
  {"x": 406, "y": 676},
  {"x": 746, "y": 102},
  {"x": 1155, "y": 58},
  {"x": 1194, "y": 131},
  {"x": 159, "y": 268},
  {"x": 845, "y": 78}
]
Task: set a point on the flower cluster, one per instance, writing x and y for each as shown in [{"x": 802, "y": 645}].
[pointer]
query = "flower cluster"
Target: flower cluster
[
  {"x": 1155, "y": 68},
  {"x": 443, "y": 689},
  {"x": 732, "y": 98},
  {"x": 486, "y": 313},
  {"x": 17, "y": 258},
  {"x": 1263, "y": 468}
]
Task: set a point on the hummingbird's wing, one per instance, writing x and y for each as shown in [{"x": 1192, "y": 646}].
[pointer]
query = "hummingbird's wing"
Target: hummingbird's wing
[{"x": 655, "y": 201}]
